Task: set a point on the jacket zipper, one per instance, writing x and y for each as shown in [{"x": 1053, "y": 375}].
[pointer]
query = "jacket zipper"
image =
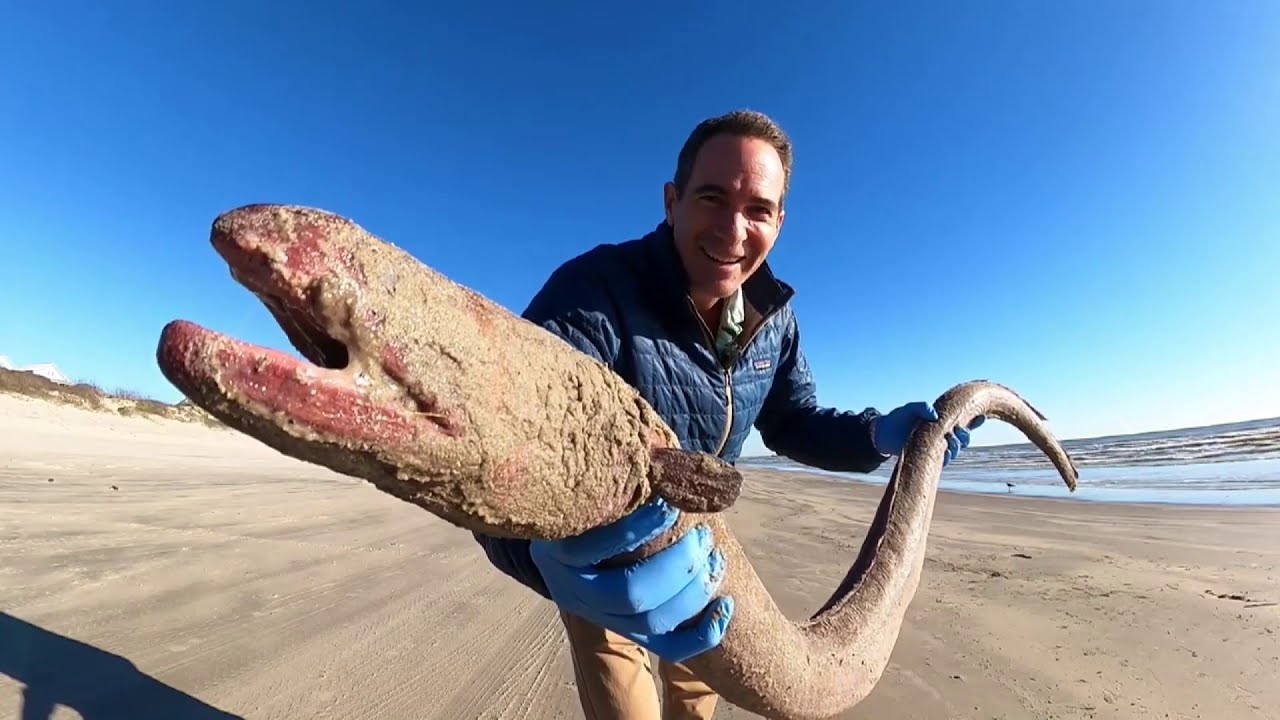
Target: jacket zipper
[{"x": 727, "y": 372}]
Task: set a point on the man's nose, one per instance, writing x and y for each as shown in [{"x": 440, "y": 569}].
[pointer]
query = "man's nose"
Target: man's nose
[{"x": 732, "y": 227}]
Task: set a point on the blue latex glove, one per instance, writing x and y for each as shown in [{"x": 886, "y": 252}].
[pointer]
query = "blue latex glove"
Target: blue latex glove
[
  {"x": 644, "y": 601},
  {"x": 889, "y": 432}
]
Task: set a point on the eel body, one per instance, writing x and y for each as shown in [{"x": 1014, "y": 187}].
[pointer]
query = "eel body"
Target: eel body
[{"x": 444, "y": 399}]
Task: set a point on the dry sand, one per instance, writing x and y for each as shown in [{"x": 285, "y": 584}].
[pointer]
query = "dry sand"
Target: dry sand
[{"x": 198, "y": 574}]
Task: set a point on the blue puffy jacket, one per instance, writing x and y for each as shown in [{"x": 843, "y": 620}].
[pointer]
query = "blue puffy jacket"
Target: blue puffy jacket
[{"x": 627, "y": 305}]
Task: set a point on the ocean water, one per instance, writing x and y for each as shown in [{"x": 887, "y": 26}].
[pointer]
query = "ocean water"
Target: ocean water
[{"x": 1230, "y": 464}]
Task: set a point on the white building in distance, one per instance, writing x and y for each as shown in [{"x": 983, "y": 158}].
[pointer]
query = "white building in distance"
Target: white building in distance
[{"x": 49, "y": 371}]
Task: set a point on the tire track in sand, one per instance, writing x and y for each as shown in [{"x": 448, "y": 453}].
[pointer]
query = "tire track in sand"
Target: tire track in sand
[{"x": 522, "y": 670}]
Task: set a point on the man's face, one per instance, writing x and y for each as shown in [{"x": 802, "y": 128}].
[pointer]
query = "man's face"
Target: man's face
[{"x": 730, "y": 214}]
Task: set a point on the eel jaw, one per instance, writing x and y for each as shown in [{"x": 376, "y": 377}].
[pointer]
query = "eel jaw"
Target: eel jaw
[
  {"x": 261, "y": 391},
  {"x": 288, "y": 265},
  {"x": 340, "y": 398}
]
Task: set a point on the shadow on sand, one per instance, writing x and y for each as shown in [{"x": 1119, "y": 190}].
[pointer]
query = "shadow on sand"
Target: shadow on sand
[{"x": 56, "y": 670}]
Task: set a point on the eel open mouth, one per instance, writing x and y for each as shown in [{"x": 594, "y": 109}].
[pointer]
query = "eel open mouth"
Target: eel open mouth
[
  {"x": 284, "y": 261},
  {"x": 306, "y": 335}
]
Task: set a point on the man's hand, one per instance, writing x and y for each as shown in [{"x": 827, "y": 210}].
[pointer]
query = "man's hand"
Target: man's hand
[
  {"x": 889, "y": 432},
  {"x": 646, "y": 600}
]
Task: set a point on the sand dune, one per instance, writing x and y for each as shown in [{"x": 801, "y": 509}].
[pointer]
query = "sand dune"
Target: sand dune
[{"x": 157, "y": 568}]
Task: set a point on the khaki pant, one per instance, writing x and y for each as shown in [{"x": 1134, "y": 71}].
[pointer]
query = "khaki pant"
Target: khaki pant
[{"x": 615, "y": 679}]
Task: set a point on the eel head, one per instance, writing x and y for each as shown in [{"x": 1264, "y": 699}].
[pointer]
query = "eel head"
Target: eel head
[
  {"x": 425, "y": 388},
  {"x": 351, "y": 402}
]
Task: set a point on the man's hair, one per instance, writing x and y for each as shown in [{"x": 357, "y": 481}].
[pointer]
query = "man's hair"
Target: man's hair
[{"x": 742, "y": 123}]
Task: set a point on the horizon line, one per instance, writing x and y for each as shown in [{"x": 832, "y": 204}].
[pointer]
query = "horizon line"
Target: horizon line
[{"x": 1086, "y": 438}]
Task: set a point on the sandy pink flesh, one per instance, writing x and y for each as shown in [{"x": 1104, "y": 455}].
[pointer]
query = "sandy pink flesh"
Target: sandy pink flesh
[{"x": 324, "y": 402}]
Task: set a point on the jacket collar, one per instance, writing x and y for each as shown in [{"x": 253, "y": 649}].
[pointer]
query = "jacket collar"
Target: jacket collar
[{"x": 763, "y": 290}]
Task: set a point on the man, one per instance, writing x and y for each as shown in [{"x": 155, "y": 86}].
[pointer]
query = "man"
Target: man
[{"x": 692, "y": 316}]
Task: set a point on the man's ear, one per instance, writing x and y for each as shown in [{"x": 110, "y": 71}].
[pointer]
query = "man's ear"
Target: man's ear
[{"x": 669, "y": 202}]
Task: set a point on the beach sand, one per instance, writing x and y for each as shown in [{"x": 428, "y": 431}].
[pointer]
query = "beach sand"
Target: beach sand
[{"x": 199, "y": 574}]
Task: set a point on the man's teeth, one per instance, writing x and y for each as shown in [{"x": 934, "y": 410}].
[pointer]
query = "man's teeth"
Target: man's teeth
[{"x": 721, "y": 260}]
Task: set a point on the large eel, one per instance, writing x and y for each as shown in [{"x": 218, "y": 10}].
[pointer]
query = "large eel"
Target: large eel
[{"x": 442, "y": 398}]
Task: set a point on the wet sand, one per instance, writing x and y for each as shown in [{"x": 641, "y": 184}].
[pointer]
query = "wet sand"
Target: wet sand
[{"x": 156, "y": 568}]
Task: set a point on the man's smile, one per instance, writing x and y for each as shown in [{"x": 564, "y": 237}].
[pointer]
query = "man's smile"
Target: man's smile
[{"x": 720, "y": 259}]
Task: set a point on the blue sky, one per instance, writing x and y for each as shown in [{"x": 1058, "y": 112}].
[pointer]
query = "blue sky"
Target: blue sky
[{"x": 1077, "y": 199}]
